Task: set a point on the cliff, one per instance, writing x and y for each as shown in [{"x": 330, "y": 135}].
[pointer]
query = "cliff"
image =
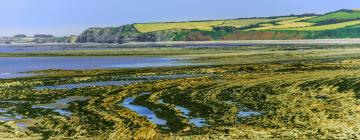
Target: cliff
[{"x": 338, "y": 24}]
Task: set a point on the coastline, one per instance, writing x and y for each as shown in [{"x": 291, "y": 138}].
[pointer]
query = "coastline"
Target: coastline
[{"x": 220, "y": 42}]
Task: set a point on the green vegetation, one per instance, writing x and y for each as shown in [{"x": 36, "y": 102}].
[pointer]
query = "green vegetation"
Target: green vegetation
[
  {"x": 301, "y": 91},
  {"x": 72, "y": 39},
  {"x": 203, "y": 25},
  {"x": 295, "y": 20},
  {"x": 151, "y": 27},
  {"x": 238, "y": 23},
  {"x": 284, "y": 26},
  {"x": 342, "y": 15},
  {"x": 308, "y": 26},
  {"x": 244, "y": 22},
  {"x": 327, "y": 27}
]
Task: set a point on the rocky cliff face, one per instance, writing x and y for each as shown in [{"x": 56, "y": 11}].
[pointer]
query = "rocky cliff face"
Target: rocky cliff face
[
  {"x": 239, "y": 30},
  {"x": 108, "y": 35},
  {"x": 126, "y": 33},
  {"x": 168, "y": 35},
  {"x": 101, "y": 35}
]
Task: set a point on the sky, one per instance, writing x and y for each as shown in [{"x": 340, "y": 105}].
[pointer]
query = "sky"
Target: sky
[{"x": 67, "y": 17}]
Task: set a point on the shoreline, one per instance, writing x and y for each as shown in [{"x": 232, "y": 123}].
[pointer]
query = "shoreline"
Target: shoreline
[
  {"x": 254, "y": 42},
  {"x": 220, "y": 42}
]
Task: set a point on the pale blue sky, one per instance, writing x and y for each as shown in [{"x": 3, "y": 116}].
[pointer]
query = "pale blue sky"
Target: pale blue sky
[{"x": 65, "y": 17}]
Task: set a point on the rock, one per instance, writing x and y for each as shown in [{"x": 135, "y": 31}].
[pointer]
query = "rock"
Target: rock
[
  {"x": 126, "y": 33},
  {"x": 108, "y": 34}
]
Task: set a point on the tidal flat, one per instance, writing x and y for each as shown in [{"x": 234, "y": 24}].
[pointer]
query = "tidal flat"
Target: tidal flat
[{"x": 240, "y": 92}]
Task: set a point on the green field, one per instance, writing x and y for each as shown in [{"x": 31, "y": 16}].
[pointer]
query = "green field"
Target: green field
[
  {"x": 334, "y": 25},
  {"x": 151, "y": 27},
  {"x": 327, "y": 27},
  {"x": 339, "y": 15},
  {"x": 285, "y": 26},
  {"x": 306, "y": 23},
  {"x": 284, "y": 22},
  {"x": 246, "y": 22},
  {"x": 343, "y": 18},
  {"x": 204, "y": 25}
]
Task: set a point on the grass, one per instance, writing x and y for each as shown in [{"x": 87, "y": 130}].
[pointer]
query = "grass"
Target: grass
[
  {"x": 340, "y": 15},
  {"x": 302, "y": 91},
  {"x": 244, "y": 22},
  {"x": 203, "y": 25},
  {"x": 151, "y": 27},
  {"x": 327, "y": 27},
  {"x": 262, "y": 28},
  {"x": 285, "y": 26},
  {"x": 284, "y": 22},
  {"x": 266, "y": 24}
]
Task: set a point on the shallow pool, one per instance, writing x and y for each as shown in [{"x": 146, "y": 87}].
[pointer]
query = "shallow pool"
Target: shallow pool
[{"x": 143, "y": 111}]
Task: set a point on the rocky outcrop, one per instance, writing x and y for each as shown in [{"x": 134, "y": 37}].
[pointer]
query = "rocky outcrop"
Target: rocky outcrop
[
  {"x": 168, "y": 35},
  {"x": 108, "y": 35},
  {"x": 171, "y": 31},
  {"x": 101, "y": 35},
  {"x": 126, "y": 33}
]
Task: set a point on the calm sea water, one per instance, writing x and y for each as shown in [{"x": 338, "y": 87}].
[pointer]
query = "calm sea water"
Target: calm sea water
[
  {"x": 44, "y": 48},
  {"x": 11, "y": 67}
]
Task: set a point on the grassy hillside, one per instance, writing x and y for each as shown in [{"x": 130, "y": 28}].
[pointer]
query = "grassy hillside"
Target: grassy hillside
[
  {"x": 328, "y": 27},
  {"x": 151, "y": 27},
  {"x": 244, "y": 22},
  {"x": 342, "y": 15},
  {"x": 207, "y": 25},
  {"x": 338, "y": 24},
  {"x": 284, "y": 22}
]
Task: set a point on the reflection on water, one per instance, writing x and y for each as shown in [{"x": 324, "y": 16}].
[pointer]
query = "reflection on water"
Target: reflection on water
[
  {"x": 63, "y": 112},
  {"x": 60, "y": 106},
  {"x": 174, "y": 76},
  {"x": 245, "y": 114},
  {"x": 117, "y": 83},
  {"x": 198, "y": 122},
  {"x": 12, "y": 75},
  {"x": 13, "y": 66},
  {"x": 143, "y": 111},
  {"x": 183, "y": 110},
  {"x": 80, "y": 85},
  {"x": 6, "y": 115},
  {"x": 45, "y": 48}
]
